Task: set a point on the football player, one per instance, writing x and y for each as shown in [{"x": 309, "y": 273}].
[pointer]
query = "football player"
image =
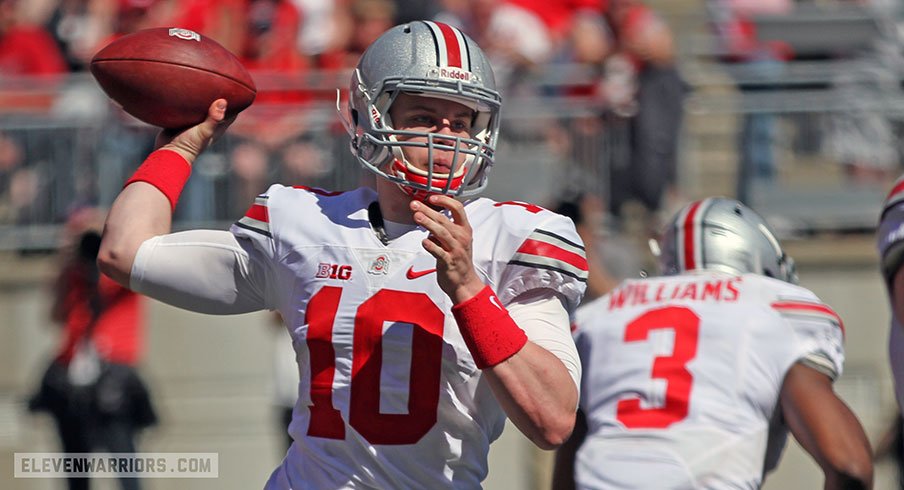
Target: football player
[
  {"x": 422, "y": 316},
  {"x": 693, "y": 379},
  {"x": 891, "y": 252}
]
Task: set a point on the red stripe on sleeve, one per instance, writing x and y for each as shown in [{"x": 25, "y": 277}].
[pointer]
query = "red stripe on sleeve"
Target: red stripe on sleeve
[
  {"x": 689, "y": 262},
  {"x": 258, "y": 212},
  {"x": 543, "y": 249},
  {"x": 804, "y": 307},
  {"x": 453, "y": 50}
]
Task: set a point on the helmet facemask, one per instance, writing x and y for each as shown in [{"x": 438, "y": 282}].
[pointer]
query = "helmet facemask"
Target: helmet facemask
[{"x": 384, "y": 74}]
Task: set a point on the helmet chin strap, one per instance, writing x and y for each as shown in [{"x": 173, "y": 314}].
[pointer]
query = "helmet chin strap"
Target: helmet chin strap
[
  {"x": 410, "y": 174},
  {"x": 402, "y": 168}
]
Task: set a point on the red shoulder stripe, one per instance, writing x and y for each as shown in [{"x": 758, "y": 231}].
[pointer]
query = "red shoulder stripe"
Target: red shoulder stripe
[
  {"x": 808, "y": 308},
  {"x": 258, "y": 212},
  {"x": 543, "y": 249}
]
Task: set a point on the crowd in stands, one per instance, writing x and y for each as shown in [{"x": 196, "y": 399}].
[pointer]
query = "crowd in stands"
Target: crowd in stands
[{"x": 621, "y": 55}]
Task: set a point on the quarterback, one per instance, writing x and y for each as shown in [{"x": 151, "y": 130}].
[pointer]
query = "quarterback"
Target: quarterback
[
  {"x": 696, "y": 384},
  {"x": 421, "y": 315}
]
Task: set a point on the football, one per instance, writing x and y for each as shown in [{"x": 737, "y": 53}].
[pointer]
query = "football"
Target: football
[{"x": 168, "y": 77}]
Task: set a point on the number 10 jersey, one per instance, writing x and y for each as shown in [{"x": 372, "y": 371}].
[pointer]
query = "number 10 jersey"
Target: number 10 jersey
[{"x": 389, "y": 396}]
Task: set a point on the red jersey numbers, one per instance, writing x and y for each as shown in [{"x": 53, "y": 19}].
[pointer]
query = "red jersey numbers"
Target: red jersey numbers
[
  {"x": 334, "y": 271},
  {"x": 673, "y": 368},
  {"x": 364, "y": 415}
]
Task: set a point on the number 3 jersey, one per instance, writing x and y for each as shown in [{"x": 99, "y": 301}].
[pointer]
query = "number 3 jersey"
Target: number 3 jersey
[
  {"x": 389, "y": 396},
  {"x": 682, "y": 376}
]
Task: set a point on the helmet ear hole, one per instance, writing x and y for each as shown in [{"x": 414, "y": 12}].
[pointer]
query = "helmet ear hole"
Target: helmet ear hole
[{"x": 355, "y": 117}]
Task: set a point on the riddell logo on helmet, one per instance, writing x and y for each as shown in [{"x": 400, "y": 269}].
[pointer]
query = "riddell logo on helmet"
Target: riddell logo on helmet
[
  {"x": 375, "y": 116},
  {"x": 452, "y": 73}
]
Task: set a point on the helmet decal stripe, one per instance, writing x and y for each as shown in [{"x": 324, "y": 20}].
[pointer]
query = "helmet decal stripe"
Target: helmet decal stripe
[
  {"x": 462, "y": 49},
  {"x": 450, "y": 44},
  {"x": 438, "y": 44},
  {"x": 689, "y": 238}
]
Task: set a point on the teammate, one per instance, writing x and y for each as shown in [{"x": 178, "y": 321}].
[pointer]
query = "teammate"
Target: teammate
[
  {"x": 420, "y": 319},
  {"x": 891, "y": 252},
  {"x": 692, "y": 380}
]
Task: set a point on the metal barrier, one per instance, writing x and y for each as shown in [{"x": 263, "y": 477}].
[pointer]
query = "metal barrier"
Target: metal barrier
[
  {"x": 74, "y": 148},
  {"x": 830, "y": 121}
]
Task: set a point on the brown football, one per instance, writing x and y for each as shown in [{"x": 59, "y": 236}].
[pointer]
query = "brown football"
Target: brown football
[{"x": 168, "y": 77}]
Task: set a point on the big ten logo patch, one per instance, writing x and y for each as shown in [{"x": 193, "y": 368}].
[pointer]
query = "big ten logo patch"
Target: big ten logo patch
[{"x": 334, "y": 271}]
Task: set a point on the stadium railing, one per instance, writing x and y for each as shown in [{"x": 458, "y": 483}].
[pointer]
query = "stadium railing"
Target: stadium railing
[
  {"x": 836, "y": 106},
  {"x": 64, "y": 145}
]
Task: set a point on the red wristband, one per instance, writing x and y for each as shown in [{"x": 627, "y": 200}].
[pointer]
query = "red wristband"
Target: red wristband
[
  {"x": 166, "y": 170},
  {"x": 490, "y": 333}
]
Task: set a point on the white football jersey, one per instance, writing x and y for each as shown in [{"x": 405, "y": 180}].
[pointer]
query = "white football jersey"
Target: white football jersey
[
  {"x": 682, "y": 376},
  {"x": 389, "y": 396}
]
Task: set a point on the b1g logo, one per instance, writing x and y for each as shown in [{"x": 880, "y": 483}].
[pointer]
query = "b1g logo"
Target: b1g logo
[
  {"x": 334, "y": 271},
  {"x": 184, "y": 34}
]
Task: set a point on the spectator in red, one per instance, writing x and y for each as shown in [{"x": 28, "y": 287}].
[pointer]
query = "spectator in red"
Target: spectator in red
[
  {"x": 221, "y": 20},
  {"x": 358, "y": 23},
  {"x": 26, "y": 49},
  {"x": 558, "y": 15},
  {"x": 270, "y": 47},
  {"x": 92, "y": 387},
  {"x": 271, "y": 129}
]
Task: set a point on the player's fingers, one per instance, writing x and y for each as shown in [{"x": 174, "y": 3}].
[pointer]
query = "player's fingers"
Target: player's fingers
[
  {"x": 432, "y": 246},
  {"x": 436, "y": 229},
  {"x": 217, "y": 110},
  {"x": 455, "y": 207},
  {"x": 423, "y": 213},
  {"x": 216, "y": 114}
]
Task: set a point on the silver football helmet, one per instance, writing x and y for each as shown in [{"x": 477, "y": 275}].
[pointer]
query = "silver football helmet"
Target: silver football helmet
[
  {"x": 720, "y": 233},
  {"x": 428, "y": 59}
]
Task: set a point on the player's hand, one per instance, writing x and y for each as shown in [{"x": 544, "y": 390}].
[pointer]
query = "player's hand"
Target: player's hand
[
  {"x": 450, "y": 242},
  {"x": 192, "y": 141}
]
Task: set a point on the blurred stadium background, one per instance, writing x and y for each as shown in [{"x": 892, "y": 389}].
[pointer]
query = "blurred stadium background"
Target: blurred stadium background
[{"x": 833, "y": 106}]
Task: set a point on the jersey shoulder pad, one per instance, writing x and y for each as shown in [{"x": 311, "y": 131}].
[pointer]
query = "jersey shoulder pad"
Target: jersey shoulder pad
[
  {"x": 287, "y": 214},
  {"x": 534, "y": 248},
  {"x": 798, "y": 303}
]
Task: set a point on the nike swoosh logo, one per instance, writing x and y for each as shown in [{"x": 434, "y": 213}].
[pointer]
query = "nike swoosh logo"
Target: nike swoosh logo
[
  {"x": 495, "y": 301},
  {"x": 413, "y": 274}
]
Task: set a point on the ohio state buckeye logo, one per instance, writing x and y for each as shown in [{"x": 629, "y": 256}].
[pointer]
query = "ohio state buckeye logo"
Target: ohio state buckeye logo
[
  {"x": 184, "y": 34},
  {"x": 379, "y": 266}
]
